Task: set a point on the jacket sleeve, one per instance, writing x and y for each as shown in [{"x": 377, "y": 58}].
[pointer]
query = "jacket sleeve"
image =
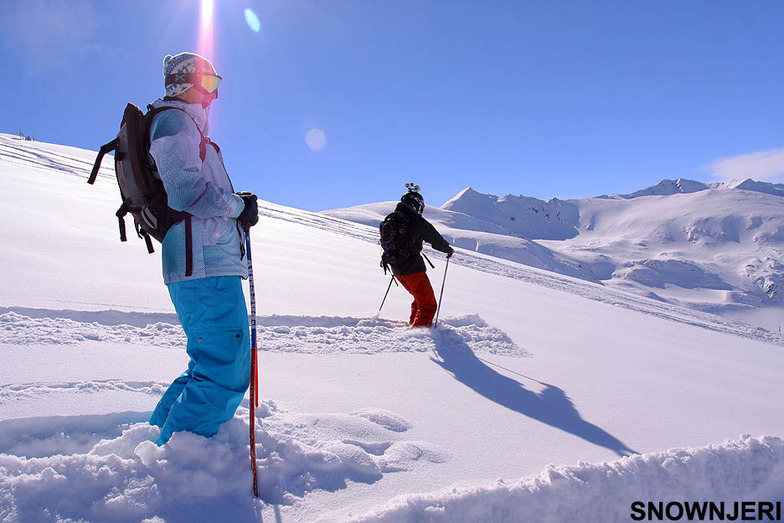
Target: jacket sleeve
[
  {"x": 174, "y": 145},
  {"x": 432, "y": 236}
]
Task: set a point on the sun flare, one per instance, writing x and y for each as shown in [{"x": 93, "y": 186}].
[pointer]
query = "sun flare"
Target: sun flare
[{"x": 207, "y": 30}]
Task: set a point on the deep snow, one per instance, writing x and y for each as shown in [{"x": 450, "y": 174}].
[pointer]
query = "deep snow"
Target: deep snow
[{"x": 540, "y": 397}]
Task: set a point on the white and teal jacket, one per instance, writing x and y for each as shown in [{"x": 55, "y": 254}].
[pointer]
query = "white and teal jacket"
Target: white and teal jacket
[{"x": 196, "y": 182}]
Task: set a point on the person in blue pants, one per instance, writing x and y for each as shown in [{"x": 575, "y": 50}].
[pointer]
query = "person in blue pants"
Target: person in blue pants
[
  {"x": 212, "y": 313},
  {"x": 203, "y": 255}
]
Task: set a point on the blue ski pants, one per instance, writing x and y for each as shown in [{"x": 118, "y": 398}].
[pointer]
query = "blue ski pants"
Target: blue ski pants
[{"x": 213, "y": 314}]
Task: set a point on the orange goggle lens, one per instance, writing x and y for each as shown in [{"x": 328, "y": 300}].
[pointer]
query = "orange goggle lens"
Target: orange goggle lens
[{"x": 210, "y": 83}]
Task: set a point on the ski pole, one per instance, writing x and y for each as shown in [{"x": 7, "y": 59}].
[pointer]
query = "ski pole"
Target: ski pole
[
  {"x": 254, "y": 376},
  {"x": 441, "y": 295},
  {"x": 385, "y": 294}
]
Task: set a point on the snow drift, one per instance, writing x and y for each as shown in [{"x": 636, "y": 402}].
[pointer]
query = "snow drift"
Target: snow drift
[{"x": 745, "y": 469}]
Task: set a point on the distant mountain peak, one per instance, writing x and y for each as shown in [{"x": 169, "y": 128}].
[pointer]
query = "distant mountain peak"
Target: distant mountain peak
[
  {"x": 669, "y": 187},
  {"x": 469, "y": 197},
  {"x": 776, "y": 189},
  {"x": 665, "y": 187},
  {"x": 467, "y": 192}
]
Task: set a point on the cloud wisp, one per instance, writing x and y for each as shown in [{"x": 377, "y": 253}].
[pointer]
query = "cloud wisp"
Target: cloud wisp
[{"x": 765, "y": 165}]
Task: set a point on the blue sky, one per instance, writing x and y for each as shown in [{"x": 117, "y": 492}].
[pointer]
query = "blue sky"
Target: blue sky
[{"x": 545, "y": 98}]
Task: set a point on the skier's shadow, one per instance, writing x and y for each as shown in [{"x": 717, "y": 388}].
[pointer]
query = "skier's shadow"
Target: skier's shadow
[{"x": 550, "y": 406}]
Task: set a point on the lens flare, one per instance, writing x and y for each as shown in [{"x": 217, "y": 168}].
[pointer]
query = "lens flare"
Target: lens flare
[
  {"x": 315, "y": 139},
  {"x": 252, "y": 20},
  {"x": 207, "y": 30}
]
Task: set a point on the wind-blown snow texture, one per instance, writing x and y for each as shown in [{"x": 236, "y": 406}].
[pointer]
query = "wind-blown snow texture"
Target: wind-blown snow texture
[
  {"x": 319, "y": 335},
  {"x": 540, "y": 397}
]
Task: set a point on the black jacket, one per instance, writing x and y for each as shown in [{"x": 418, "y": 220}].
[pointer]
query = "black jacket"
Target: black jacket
[{"x": 419, "y": 229}]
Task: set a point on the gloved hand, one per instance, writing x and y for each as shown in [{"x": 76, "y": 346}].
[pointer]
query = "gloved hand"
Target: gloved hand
[
  {"x": 450, "y": 253},
  {"x": 250, "y": 214}
]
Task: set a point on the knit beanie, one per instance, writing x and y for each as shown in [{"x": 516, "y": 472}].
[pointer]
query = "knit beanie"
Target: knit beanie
[{"x": 184, "y": 63}]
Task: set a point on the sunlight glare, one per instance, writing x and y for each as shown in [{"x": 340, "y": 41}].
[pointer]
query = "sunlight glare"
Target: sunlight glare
[
  {"x": 252, "y": 20},
  {"x": 316, "y": 139},
  {"x": 207, "y": 30}
]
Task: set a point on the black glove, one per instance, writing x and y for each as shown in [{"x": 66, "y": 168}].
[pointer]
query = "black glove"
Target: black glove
[
  {"x": 250, "y": 214},
  {"x": 450, "y": 253}
]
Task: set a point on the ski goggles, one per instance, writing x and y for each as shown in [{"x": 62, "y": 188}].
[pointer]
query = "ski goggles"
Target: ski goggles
[{"x": 208, "y": 82}]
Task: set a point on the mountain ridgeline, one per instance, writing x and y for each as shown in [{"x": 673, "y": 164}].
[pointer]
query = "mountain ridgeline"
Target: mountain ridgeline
[
  {"x": 520, "y": 215},
  {"x": 556, "y": 219},
  {"x": 715, "y": 247}
]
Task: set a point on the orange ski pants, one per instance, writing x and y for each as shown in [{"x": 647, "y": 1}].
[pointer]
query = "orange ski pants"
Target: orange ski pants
[{"x": 424, "y": 306}]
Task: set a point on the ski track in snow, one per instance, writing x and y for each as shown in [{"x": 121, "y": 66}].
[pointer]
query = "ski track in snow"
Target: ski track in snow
[
  {"x": 32, "y": 391},
  {"x": 550, "y": 280},
  {"x": 33, "y": 157},
  {"x": 297, "y": 334}
]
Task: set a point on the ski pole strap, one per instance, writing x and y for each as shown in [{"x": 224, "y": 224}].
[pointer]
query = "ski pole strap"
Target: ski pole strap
[{"x": 428, "y": 261}]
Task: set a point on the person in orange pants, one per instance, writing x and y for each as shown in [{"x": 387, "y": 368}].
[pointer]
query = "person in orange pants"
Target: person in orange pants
[
  {"x": 402, "y": 234},
  {"x": 424, "y": 306}
]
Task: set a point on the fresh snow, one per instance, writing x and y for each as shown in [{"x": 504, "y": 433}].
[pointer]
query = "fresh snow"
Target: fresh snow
[{"x": 540, "y": 396}]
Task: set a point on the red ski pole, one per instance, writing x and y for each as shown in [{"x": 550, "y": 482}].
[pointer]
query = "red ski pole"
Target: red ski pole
[{"x": 254, "y": 376}]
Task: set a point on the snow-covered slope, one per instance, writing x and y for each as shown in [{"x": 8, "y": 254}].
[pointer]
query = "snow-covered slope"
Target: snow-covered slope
[
  {"x": 710, "y": 249},
  {"x": 715, "y": 247},
  {"x": 529, "y": 402}
]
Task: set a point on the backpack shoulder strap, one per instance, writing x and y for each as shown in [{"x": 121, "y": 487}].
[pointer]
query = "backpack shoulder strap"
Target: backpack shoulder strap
[
  {"x": 152, "y": 112},
  {"x": 180, "y": 215}
]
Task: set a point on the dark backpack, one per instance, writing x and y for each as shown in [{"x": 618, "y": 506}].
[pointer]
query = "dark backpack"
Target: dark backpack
[
  {"x": 396, "y": 242},
  {"x": 143, "y": 194}
]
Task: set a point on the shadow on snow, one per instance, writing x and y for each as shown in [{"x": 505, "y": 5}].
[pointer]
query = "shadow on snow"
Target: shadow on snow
[{"x": 550, "y": 406}]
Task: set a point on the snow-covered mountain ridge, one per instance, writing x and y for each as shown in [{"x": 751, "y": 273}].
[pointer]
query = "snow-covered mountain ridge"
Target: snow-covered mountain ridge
[
  {"x": 713, "y": 247},
  {"x": 681, "y": 185}
]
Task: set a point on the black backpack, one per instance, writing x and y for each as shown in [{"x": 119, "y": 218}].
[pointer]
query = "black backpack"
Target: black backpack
[
  {"x": 143, "y": 194},
  {"x": 396, "y": 243}
]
